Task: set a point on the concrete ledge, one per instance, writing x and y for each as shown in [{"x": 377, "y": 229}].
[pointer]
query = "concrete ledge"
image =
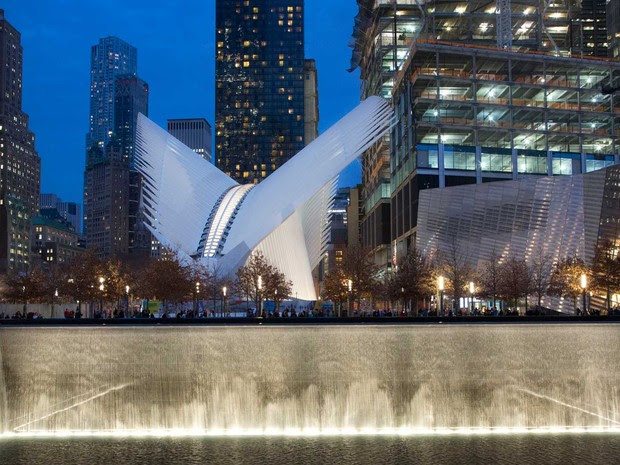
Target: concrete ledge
[{"x": 313, "y": 321}]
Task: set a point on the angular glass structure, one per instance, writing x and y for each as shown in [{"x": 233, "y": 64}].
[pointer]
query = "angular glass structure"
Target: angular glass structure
[{"x": 558, "y": 216}]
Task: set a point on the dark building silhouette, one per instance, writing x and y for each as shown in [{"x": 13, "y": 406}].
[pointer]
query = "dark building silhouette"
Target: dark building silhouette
[
  {"x": 131, "y": 97},
  {"x": 260, "y": 86},
  {"x": 20, "y": 164},
  {"x": 106, "y": 219}
]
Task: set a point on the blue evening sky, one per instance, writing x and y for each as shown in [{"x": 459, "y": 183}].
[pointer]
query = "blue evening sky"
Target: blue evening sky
[{"x": 176, "y": 56}]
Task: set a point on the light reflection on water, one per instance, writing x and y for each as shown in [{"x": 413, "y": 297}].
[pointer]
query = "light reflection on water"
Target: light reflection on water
[{"x": 563, "y": 449}]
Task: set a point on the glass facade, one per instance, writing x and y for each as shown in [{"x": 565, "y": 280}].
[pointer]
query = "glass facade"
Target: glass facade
[
  {"x": 495, "y": 160},
  {"x": 110, "y": 58},
  {"x": 459, "y": 158},
  {"x": 260, "y": 86}
]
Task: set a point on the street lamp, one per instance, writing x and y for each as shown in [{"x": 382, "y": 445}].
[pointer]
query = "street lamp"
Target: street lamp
[
  {"x": 196, "y": 299},
  {"x": 350, "y": 286},
  {"x": 127, "y": 296},
  {"x": 471, "y": 291},
  {"x": 54, "y": 296},
  {"x": 402, "y": 291},
  {"x": 260, "y": 295},
  {"x": 224, "y": 290},
  {"x": 101, "y": 288},
  {"x": 584, "y": 285},
  {"x": 440, "y": 286}
]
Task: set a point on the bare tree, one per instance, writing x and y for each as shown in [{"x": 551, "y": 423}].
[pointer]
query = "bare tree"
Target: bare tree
[
  {"x": 277, "y": 287},
  {"x": 456, "y": 268},
  {"x": 335, "y": 288},
  {"x": 168, "y": 279},
  {"x": 82, "y": 275},
  {"x": 566, "y": 278},
  {"x": 358, "y": 265},
  {"x": 489, "y": 278},
  {"x": 415, "y": 277},
  {"x": 25, "y": 288},
  {"x": 541, "y": 270},
  {"x": 515, "y": 280},
  {"x": 258, "y": 279}
]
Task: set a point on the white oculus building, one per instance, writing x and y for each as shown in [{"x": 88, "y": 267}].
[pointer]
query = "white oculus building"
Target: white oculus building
[{"x": 195, "y": 208}]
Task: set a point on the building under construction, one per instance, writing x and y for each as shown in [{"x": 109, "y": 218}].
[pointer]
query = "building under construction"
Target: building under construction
[{"x": 483, "y": 91}]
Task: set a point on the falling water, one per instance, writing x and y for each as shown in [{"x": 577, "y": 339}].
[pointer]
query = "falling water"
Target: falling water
[{"x": 321, "y": 380}]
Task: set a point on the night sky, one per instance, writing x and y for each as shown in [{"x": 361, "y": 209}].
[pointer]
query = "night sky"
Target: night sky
[{"x": 176, "y": 56}]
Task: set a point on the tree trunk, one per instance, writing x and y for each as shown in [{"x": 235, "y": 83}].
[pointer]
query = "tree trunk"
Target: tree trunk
[{"x": 608, "y": 301}]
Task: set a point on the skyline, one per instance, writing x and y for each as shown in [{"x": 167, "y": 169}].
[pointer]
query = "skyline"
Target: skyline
[{"x": 56, "y": 92}]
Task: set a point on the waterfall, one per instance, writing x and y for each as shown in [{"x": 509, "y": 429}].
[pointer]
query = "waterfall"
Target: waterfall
[{"x": 309, "y": 379}]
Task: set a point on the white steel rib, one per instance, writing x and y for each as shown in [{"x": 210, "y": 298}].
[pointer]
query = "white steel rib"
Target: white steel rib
[{"x": 197, "y": 209}]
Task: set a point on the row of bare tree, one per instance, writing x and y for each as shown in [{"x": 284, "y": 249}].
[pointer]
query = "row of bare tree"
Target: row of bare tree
[
  {"x": 170, "y": 279},
  {"x": 508, "y": 279}
]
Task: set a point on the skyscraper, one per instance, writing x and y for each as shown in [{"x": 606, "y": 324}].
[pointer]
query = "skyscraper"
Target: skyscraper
[
  {"x": 193, "y": 132},
  {"x": 131, "y": 96},
  {"x": 260, "y": 86},
  {"x": 485, "y": 91},
  {"x": 613, "y": 27},
  {"x": 110, "y": 58},
  {"x": 311, "y": 102},
  {"x": 111, "y": 188},
  {"x": 20, "y": 164}
]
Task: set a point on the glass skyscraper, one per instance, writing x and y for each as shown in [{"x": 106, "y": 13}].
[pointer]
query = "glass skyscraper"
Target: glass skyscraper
[
  {"x": 110, "y": 58},
  {"x": 260, "y": 86}
]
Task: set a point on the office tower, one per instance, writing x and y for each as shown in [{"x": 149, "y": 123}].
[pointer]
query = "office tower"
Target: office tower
[
  {"x": 311, "y": 102},
  {"x": 131, "y": 96},
  {"x": 193, "y": 132},
  {"x": 112, "y": 188},
  {"x": 613, "y": 27},
  {"x": 489, "y": 91},
  {"x": 106, "y": 209},
  {"x": 259, "y": 86},
  {"x": 20, "y": 164},
  {"x": 381, "y": 30},
  {"x": 110, "y": 58},
  {"x": 71, "y": 212},
  {"x": 590, "y": 28}
]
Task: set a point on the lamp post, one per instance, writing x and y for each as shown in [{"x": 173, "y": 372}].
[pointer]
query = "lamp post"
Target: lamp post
[
  {"x": 350, "y": 285},
  {"x": 101, "y": 288},
  {"x": 471, "y": 292},
  {"x": 54, "y": 296},
  {"x": 584, "y": 286},
  {"x": 260, "y": 296},
  {"x": 440, "y": 286},
  {"x": 127, "y": 296},
  {"x": 196, "y": 299},
  {"x": 224, "y": 290},
  {"x": 402, "y": 292}
]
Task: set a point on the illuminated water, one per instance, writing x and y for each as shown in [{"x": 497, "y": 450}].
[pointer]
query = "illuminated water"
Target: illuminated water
[
  {"x": 565, "y": 449},
  {"x": 302, "y": 380}
]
